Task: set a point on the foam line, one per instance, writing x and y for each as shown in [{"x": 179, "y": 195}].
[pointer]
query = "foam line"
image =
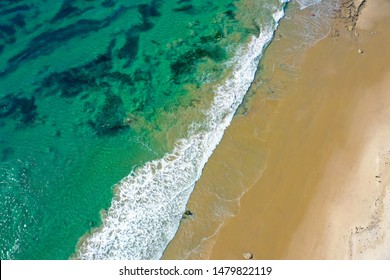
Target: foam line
[{"x": 146, "y": 211}]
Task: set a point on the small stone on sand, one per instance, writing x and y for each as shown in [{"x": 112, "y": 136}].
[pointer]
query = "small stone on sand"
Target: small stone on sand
[{"x": 247, "y": 255}]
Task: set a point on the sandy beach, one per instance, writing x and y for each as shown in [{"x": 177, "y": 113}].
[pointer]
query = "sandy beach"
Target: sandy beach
[
  {"x": 348, "y": 217},
  {"x": 303, "y": 170}
]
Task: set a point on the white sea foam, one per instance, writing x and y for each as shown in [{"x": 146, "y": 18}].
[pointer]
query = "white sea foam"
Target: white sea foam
[{"x": 146, "y": 212}]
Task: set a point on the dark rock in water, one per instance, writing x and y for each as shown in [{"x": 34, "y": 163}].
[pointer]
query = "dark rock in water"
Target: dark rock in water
[
  {"x": 140, "y": 75},
  {"x": 212, "y": 38},
  {"x": 6, "y": 30},
  {"x": 110, "y": 118},
  {"x": 71, "y": 83},
  {"x": 121, "y": 77},
  {"x": 187, "y": 62},
  {"x": 96, "y": 77},
  {"x": 101, "y": 59},
  {"x": 146, "y": 11},
  {"x": 17, "y": 9},
  {"x": 92, "y": 224},
  {"x": 108, "y": 3},
  {"x": 189, "y": 9},
  {"x": 66, "y": 11},
  {"x": 21, "y": 109},
  {"x": 130, "y": 48},
  {"x": 216, "y": 53},
  {"x": 47, "y": 42},
  {"x": 230, "y": 14},
  {"x": 19, "y": 21},
  {"x": 74, "y": 81},
  {"x": 28, "y": 110},
  {"x": 146, "y": 24}
]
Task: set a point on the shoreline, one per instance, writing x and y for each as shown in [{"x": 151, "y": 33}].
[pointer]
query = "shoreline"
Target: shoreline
[
  {"x": 354, "y": 217},
  {"x": 337, "y": 215},
  {"x": 283, "y": 171}
]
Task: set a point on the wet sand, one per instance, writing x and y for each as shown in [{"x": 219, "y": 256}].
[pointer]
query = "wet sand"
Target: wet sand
[{"x": 303, "y": 172}]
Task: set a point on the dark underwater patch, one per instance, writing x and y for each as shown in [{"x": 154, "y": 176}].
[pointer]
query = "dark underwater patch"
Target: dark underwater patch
[
  {"x": 17, "y": 9},
  {"x": 21, "y": 109},
  {"x": 147, "y": 11},
  {"x": 187, "y": 62},
  {"x": 70, "y": 83},
  {"x": 76, "y": 80},
  {"x": 7, "y": 33},
  {"x": 140, "y": 75},
  {"x": 46, "y": 42},
  {"x": 110, "y": 118},
  {"x": 5, "y": 3},
  {"x": 66, "y": 11},
  {"x": 212, "y": 38},
  {"x": 49, "y": 41},
  {"x": 230, "y": 14},
  {"x": 123, "y": 78},
  {"x": 19, "y": 20},
  {"x": 108, "y": 3},
  {"x": 130, "y": 49},
  {"x": 7, "y": 30},
  {"x": 157, "y": 5},
  {"x": 189, "y": 9},
  {"x": 89, "y": 108},
  {"x": 7, "y": 153}
]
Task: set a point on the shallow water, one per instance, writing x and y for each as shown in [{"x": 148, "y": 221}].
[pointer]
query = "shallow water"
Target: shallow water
[
  {"x": 240, "y": 159},
  {"x": 93, "y": 90}
]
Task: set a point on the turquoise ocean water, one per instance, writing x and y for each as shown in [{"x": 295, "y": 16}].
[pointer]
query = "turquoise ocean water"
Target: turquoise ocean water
[{"x": 109, "y": 110}]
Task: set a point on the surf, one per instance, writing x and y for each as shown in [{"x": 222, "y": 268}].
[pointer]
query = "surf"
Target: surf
[{"x": 149, "y": 203}]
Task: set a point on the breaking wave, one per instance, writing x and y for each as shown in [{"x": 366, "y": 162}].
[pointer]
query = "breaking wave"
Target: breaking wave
[{"x": 149, "y": 203}]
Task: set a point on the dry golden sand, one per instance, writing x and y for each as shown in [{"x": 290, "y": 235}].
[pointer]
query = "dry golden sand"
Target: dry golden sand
[
  {"x": 349, "y": 216},
  {"x": 305, "y": 173}
]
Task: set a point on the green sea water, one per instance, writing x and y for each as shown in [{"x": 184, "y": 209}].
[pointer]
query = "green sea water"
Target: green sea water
[{"x": 90, "y": 90}]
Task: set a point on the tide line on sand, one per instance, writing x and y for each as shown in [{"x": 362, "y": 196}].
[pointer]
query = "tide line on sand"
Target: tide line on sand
[
  {"x": 325, "y": 191},
  {"x": 146, "y": 212}
]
